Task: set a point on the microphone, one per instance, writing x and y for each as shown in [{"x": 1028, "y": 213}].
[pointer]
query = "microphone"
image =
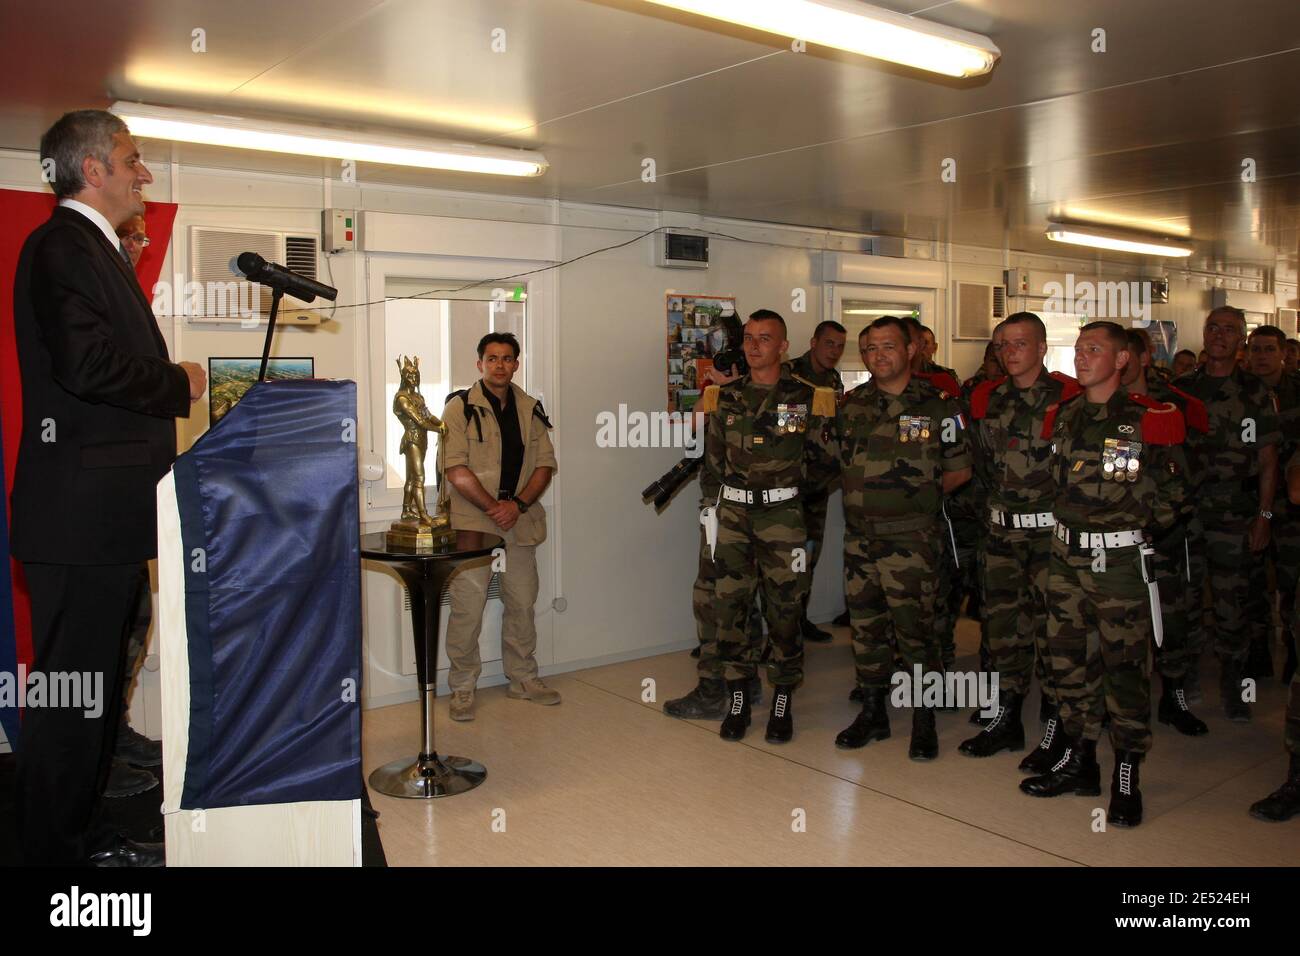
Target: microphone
[{"x": 256, "y": 269}]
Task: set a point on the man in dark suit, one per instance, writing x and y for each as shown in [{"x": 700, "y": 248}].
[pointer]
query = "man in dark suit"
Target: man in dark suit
[{"x": 99, "y": 401}]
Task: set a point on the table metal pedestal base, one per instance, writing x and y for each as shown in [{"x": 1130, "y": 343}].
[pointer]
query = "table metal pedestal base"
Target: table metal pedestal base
[{"x": 428, "y": 777}]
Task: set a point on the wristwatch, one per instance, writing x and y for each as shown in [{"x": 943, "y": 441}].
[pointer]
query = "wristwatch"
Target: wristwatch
[
  {"x": 523, "y": 506},
  {"x": 1266, "y": 515}
]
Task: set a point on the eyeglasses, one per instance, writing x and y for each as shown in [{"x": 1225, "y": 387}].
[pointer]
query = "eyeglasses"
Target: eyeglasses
[{"x": 141, "y": 241}]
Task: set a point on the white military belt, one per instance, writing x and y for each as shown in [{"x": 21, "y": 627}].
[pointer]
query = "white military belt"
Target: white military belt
[
  {"x": 767, "y": 497},
  {"x": 1004, "y": 519},
  {"x": 1100, "y": 539}
]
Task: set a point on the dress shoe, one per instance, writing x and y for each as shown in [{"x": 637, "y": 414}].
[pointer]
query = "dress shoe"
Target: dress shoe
[
  {"x": 841, "y": 620},
  {"x": 925, "y": 740},
  {"x": 780, "y": 725},
  {"x": 135, "y": 748},
  {"x": 737, "y": 717},
  {"x": 872, "y": 723},
  {"x": 126, "y": 781},
  {"x": 1284, "y": 802},
  {"x": 1230, "y": 678},
  {"x": 1076, "y": 772},
  {"x": 126, "y": 852},
  {"x": 1003, "y": 732},
  {"x": 1125, "y": 797},
  {"x": 533, "y": 689},
  {"x": 811, "y": 632},
  {"x": 707, "y": 701},
  {"x": 462, "y": 705},
  {"x": 1174, "y": 710}
]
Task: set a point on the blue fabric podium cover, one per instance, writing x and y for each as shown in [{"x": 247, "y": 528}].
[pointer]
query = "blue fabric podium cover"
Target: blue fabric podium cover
[{"x": 269, "y": 521}]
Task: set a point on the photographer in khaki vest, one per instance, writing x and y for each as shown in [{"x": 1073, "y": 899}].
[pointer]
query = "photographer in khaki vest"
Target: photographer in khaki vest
[{"x": 498, "y": 460}]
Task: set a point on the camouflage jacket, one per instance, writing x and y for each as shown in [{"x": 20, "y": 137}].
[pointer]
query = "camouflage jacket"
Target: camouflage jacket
[
  {"x": 764, "y": 438},
  {"x": 1094, "y": 444},
  {"x": 1225, "y": 459},
  {"x": 1197, "y": 421},
  {"x": 1286, "y": 397},
  {"x": 1012, "y": 460},
  {"x": 894, "y": 450},
  {"x": 803, "y": 368}
]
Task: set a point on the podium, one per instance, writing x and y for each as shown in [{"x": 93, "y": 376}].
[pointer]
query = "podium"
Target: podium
[{"x": 259, "y": 634}]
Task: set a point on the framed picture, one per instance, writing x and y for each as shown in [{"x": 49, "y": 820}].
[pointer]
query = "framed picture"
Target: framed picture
[{"x": 230, "y": 378}]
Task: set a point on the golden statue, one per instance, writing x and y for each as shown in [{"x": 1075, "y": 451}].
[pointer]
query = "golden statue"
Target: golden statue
[{"x": 417, "y": 528}]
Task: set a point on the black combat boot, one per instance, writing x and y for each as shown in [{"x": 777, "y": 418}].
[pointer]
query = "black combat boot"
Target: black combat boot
[
  {"x": 1230, "y": 677},
  {"x": 856, "y": 694},
  {"x": 841, "y": 620},
  {"x": 925, "y": 742},
  {"x": 811, "y": 632},
  {"x": 1076, "y": 772},
  {"x": 1003, "y": 732},
  {"x": 780, "y": 725},
  {"x": 872, "y": 723},
  {"x": 1284, "y": 802},
  {"x": 738, "y": 717},
  {"x": 1125, "y": 797},
  {"x": 695, "y": 652},
  {"x": 1174, "y": 710},
  {"x": 1049, "y": 750},
  {"x": 978, "y": 719},
  {"x": 1045, "y": 709},
  {"x": 708, "y": 700}
]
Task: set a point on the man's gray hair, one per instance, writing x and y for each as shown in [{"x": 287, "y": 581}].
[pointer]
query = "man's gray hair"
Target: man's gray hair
[{"x": 75, "y": 136}]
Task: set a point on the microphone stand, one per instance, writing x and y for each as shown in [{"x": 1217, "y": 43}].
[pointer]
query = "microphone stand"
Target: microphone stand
[{"x": 276, "y": 296}]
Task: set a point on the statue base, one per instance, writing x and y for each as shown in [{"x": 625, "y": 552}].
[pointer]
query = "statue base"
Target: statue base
[{"x": 416, "y": 537}]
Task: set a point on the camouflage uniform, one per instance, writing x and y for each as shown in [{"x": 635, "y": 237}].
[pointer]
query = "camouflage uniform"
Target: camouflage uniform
[
  {"x": 1284, "y": 542},
  {"x": 763, "y": 439},
  {"x": 816, "y": 495},
  {"x": 894, "y": 451},
  {"x": 1226, "y": 469},
  {"x": 1178, "y": 600},
  {"x": 1013, "y": 465},
  {"x": 1291, "y": 733},
  {"x": 1100, "y": 627},
  {"x": 957, "y": 512}
]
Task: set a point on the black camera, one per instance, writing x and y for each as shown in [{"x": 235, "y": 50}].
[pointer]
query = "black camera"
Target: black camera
[{"x": 731, "y": 362}]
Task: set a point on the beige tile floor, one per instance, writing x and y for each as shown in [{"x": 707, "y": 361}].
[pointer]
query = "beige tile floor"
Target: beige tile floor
[{"x": 607, "y": 779}]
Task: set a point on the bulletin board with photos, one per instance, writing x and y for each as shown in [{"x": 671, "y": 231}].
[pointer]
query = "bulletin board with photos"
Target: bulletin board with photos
[{"x": 691, "y": 346}]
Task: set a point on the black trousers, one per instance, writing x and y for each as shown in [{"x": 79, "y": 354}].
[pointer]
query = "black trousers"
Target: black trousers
[{"x": 82, "y": 617}]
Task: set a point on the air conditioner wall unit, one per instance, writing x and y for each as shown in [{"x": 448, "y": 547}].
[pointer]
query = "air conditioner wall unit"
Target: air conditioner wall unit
[
  {"x": 978, "y": 307},
  {"x": 218, "y": 297}
]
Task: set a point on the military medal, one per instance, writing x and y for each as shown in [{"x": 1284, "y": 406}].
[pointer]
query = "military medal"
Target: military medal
[
  {"x": 904, "y": 428},
  {"x": 1109, "y": 459}
]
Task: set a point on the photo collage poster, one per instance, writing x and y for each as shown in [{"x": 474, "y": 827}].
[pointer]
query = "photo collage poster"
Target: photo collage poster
[{"x": 691, "y": 346}]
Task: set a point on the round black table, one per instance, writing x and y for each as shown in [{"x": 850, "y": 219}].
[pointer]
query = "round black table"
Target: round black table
[{"x": 425, "y": 573}]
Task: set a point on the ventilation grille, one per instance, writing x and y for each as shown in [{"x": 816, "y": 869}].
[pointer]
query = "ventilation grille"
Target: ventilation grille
[
  {"x": 211, "y": 252},
  {"x": 978, "y": 306},
  {"x": 493, "y": 591}
]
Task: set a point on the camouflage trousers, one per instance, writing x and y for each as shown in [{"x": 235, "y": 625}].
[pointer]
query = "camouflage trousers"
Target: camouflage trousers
[
  {"x": 1177, "y": 606},
  {"x": 1015, "y": 606},
  {"x": 706, "y": 619},
  {"x": 814, "y": 519},
  {"x": 1284, "y": 556},
  {"x": 889, "y": 584},
  {"x": 756, "y": 552},
  {"x": 1222, "y": 560},
  {"x": 1098, "y": 643},
  {"x": 1291, "y": 735}
]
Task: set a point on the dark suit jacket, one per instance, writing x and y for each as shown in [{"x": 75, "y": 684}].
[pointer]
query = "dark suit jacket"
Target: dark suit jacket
[{"x": 97, "y": 380}]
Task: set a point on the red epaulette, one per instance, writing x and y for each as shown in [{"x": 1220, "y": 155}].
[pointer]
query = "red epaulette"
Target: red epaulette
[
  {"x": 1049, "y": 419},
  {"x": 979, "y": 399},
  {"x": 1162, "y": 424},
  {"x": 942, "y": 381},
  {"x": 1197, "y": 415},
  {"x": 1070, "y": 387}
]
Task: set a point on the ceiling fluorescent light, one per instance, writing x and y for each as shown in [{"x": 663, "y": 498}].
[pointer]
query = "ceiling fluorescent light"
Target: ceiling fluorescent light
[
  {"x": 191, "y": 126},
  {"x": 1119, "y": 242},
  {"x": 857, "y": 28}
]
